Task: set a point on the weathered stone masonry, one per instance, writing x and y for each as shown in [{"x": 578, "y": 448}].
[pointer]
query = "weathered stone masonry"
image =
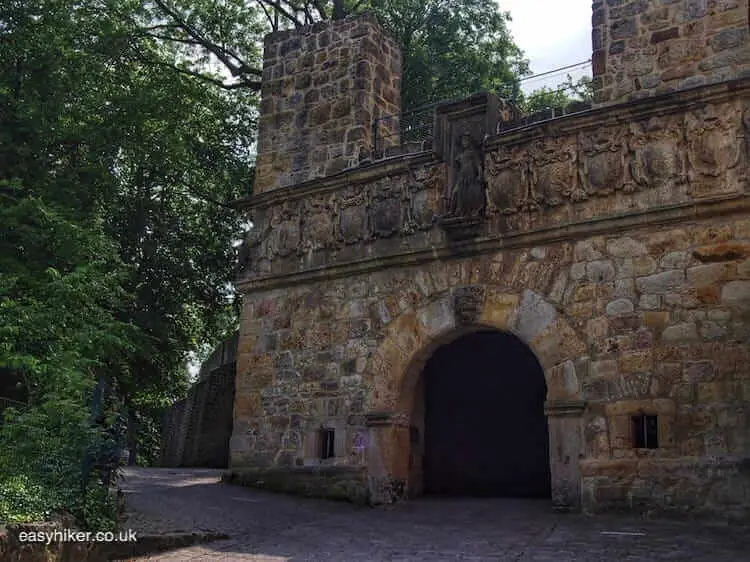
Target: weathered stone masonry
[
  {"x": 322, "y": 89},
  {"x": 645, "y": 47},
  {"x": 615, "y": 243}
]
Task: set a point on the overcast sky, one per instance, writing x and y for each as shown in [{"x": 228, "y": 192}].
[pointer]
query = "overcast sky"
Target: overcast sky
[{"x": 552, "y": 33}]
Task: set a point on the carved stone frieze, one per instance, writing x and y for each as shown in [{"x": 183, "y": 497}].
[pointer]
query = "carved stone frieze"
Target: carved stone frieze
[
  {"x": 318, "y": 229},
  {"x": 466, "y": 197},
  {"x": 352, "y": 221},
  {"x": 655, "y": 155},
  {"x": 554, "y": 177},
  {"x": 713, "y": 148},
  {"x": 506, "y": 181},
  {"x": 601, "y": 163},
  {"x": 426, "y": 186},
  {"x": 285, "y": 225},
  {"x": 386, "y": 208},
  {"x": 255, "y": 246}
]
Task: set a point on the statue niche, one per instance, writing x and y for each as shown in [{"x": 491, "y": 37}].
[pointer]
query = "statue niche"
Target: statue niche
[
  {"x": 466, "y": 198},
  {"x": 465, "y": 201}
]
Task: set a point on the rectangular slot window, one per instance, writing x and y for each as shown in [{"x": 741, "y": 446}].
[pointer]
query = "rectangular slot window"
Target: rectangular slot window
[
  {"x": 327, "y": 437},
  {"x": 645, "y": 432}
]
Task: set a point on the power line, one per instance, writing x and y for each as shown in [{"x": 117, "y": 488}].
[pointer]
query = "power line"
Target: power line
[{"x": 554, "y": 71}]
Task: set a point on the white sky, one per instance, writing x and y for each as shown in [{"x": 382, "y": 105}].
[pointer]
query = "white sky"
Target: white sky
[{"x": 552, "y": 33}]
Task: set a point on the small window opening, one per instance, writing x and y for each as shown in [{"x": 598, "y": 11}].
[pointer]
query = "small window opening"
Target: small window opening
[
  {"x": 645, "y": 432},
  {"x": 326, "y": 443}
]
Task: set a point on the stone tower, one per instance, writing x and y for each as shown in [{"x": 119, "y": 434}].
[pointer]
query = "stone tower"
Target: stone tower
[
  {"x": 650, "y": 47},
  {"x": 324, "y": 87}
]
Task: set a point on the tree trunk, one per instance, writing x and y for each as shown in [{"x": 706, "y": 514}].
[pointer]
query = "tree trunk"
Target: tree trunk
[{"x": 339, "y": 12}]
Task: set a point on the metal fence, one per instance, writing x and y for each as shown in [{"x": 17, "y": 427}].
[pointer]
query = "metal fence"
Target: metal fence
[
  {"x": 415, "y": 126},
  {"x": 413, "y": 130}
]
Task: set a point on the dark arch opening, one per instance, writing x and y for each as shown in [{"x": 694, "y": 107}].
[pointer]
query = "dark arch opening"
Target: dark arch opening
[{"x": 478, "y": 426}]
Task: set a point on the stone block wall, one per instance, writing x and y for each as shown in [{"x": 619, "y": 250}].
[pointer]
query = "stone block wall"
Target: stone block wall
[
  {"x": 650, "y": 320},
  {"x": 649, "y": 47},
  {"x": 196, "y": 430},
  {"x": 324, "y": 86},
  {"x": 615, "y": 244}
]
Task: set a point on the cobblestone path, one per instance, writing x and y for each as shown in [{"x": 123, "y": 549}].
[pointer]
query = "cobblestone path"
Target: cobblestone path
[{"x": 267, "y": 527}]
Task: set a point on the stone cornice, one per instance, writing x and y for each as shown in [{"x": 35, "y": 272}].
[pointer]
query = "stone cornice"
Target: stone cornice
[
  {"x": 735, "y": 203},
  {"x": 366, "y": 173}
]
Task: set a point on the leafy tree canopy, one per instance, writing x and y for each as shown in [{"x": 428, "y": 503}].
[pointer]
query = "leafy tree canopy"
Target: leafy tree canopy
[{"x": 452, "y": 48}]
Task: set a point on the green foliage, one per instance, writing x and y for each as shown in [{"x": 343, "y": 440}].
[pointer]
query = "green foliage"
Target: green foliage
[
  {"x": 452, "y": 48},
  {"x": 115, "y": 239},
  {"x": 41, "y": 455}
]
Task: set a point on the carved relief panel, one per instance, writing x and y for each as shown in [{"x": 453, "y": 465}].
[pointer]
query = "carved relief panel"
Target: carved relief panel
[
  {"x": 255, "y": 250},
  {"x": 423, "y": 192},
  {"x": 713, "y": 136},
  {"x": 352, "y": 216},
  {"x": 601, "y": 162},
  {"x": 507, "y": 179},
  {"x": 386, "y": 207},
  {"x": 655, "y": 153},
  {"x": 554, "y": 171},
  {"x": 318, "y": 224},
  {"x": 285, "y": 226}
]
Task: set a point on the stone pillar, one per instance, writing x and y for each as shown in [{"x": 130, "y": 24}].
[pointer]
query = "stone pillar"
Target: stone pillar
[
  {"x": 649, "y": 47},
  {"x": 566, "y": 449},
  {"x": 388, "y": 456},
  {"x": 324, "y": 87}
]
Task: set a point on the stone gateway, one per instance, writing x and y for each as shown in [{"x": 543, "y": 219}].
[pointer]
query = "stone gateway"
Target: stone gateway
[{"x": 581, "y": 332}]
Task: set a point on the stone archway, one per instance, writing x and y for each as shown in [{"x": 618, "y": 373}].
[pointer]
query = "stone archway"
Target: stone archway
[
  {"x": 413, "y": 337},
  {"x": 478, "y": 426}
]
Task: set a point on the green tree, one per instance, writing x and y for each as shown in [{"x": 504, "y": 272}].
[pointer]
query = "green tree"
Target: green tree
[
  {"x": 451, "y": 48},
  {"x": 116, "y": 240}
]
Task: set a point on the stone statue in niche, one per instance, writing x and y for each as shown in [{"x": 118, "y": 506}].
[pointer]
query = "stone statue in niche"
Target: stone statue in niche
[
  {"x": 252, "y": 249},
  {"x": 466, "y": 198}
]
